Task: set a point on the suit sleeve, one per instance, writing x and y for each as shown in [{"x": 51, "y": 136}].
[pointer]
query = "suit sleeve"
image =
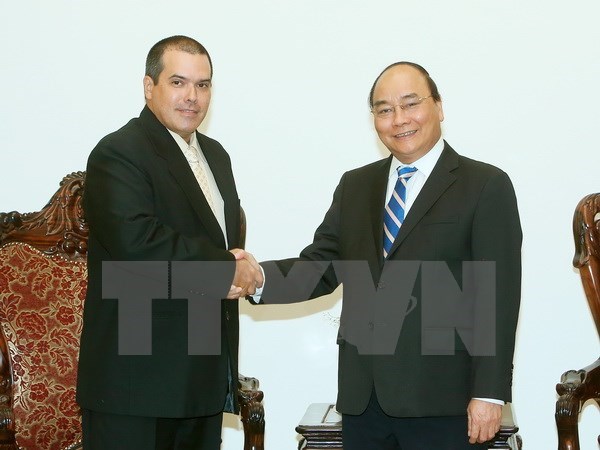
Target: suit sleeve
[{"x": 497, "y": 236}]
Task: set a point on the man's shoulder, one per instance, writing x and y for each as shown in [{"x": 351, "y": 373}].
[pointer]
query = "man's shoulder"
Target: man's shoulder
[
  {"x": 131, "y": 130},
  {"x": 126, "y": 142},
  {"x": 474, "y": 166},
  {"x": 476, "y": 175},
  {"x": 469, "y": 165}
]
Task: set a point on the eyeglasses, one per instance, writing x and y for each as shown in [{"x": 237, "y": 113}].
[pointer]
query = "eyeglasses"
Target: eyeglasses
[{"x": 407, "y": 104}]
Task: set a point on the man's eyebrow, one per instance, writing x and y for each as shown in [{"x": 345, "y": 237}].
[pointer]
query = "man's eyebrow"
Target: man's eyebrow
[
  {"x": 380, "y": 102},
  {"x": 181, "y": 77},
  {"x": 406, "y": 96},
  {"x": 411, "y": 95}
]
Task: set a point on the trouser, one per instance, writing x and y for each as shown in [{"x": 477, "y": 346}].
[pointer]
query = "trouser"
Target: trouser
[
  {"x": 375, "y": 430},
  {"x": 103, "y": 431}
]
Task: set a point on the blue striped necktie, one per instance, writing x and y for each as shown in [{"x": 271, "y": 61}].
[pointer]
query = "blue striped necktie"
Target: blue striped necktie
[{"x": 394, "y": 210}]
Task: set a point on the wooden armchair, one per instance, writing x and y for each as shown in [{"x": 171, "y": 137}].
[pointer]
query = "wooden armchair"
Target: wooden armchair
[
  {"x": 43, "y": 281},
  {"x": 578, "y": 386}
]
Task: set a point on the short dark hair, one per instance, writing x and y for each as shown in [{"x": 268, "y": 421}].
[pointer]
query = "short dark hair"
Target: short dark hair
[
  {"x": 432, "y": 86},
  {"x": 154, "y": 62}
]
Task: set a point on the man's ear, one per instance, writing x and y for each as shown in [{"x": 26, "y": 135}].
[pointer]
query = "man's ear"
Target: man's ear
[
  {"x": 440, "y": 111},
  {"x": 148, "y": 86}
]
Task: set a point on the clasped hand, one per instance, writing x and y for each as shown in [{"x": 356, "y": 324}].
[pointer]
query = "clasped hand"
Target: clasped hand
[{"x": 248, "y": 275}]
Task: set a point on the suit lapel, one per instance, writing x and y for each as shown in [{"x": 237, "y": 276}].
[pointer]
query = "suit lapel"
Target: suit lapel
[
  {"x": 166, "y": 147},
  {"x": 439, "y": 180},
  {"x": 222, "y": 174}
]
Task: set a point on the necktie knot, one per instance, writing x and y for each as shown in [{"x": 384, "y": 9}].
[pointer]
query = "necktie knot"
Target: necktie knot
[
  {"x": 406, "y": 171},
  {"x": 191, "y": 154}
]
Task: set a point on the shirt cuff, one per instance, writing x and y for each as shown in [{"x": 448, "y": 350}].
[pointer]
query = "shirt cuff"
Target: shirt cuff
[
  {"x": 255, "y": 298},
  {"x": 490, "y": 400}
]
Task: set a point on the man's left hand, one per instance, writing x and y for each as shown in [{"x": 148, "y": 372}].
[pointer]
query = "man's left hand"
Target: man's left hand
[{"x": 484, "y": 420}]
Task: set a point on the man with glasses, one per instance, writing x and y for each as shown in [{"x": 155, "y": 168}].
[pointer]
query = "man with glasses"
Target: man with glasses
[{"x": 429, "y": 208}]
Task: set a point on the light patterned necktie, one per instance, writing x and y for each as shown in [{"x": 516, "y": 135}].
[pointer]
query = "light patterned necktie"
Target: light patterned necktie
[
  {"x": 193, "y": 157},
  {"x": 394, "y": 210}
]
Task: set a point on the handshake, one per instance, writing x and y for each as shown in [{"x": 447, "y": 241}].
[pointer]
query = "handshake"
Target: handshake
[{"x": 248, "y": 275}]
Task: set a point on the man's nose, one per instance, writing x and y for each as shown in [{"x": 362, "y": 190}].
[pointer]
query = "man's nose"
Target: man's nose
[
  {"x": 400, "y": 116},
  {"x": 191, "y": 95}
]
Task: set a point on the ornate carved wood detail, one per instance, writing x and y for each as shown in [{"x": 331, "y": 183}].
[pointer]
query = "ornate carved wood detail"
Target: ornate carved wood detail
[
  {"x": 252, "y": 413},
  {"x": 586, "y": 230},
  {"x": 578, "y": 386},
  {"x": 586, "y": 233},
  {"x": 58, "y": 229}
]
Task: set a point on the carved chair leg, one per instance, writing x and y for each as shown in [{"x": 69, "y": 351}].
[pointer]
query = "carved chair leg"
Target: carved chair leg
[
  {"x": 253, "y": 419},
  {"x": 567, "y": 415}
]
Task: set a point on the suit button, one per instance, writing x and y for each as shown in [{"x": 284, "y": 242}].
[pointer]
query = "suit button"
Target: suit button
[
  {"x": 381, "y": 285},
  {"x": 226, "y": 315}
]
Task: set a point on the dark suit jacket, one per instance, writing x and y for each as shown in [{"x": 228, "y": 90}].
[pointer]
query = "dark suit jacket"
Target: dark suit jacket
[
  {"x": 143, "y": 203},
  {"x": 466, "y": 211}
]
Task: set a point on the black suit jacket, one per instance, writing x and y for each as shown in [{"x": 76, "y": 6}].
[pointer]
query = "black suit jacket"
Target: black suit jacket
[
  {"x": 466, "y": 211},
  {"x": 143, "y": 203}
]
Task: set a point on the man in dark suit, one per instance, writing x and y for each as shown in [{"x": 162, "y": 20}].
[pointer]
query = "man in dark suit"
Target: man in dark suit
[
  {"x": 159, "y": 191},
  {"x": 418, "y": 395}
]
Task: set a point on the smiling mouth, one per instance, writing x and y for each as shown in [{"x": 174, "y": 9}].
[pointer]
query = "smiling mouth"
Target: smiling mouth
[{"x": 408, "y": 133}]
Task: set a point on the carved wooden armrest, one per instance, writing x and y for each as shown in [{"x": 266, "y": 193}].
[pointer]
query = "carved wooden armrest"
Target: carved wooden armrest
[
  {"x": 575, "y": 388},
  {"x": 252, "y": 413}
]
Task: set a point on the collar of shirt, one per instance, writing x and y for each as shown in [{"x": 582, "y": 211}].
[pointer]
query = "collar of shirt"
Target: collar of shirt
[
  {"x": 191, "y": 151},
  {"x": 424, "y": 164}
]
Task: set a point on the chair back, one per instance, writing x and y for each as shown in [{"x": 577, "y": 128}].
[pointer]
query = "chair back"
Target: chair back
[
  {"x": 586, "y": 232},
  {"x": 576, "y": 387},
  {"x": 43, "y": 278}
]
